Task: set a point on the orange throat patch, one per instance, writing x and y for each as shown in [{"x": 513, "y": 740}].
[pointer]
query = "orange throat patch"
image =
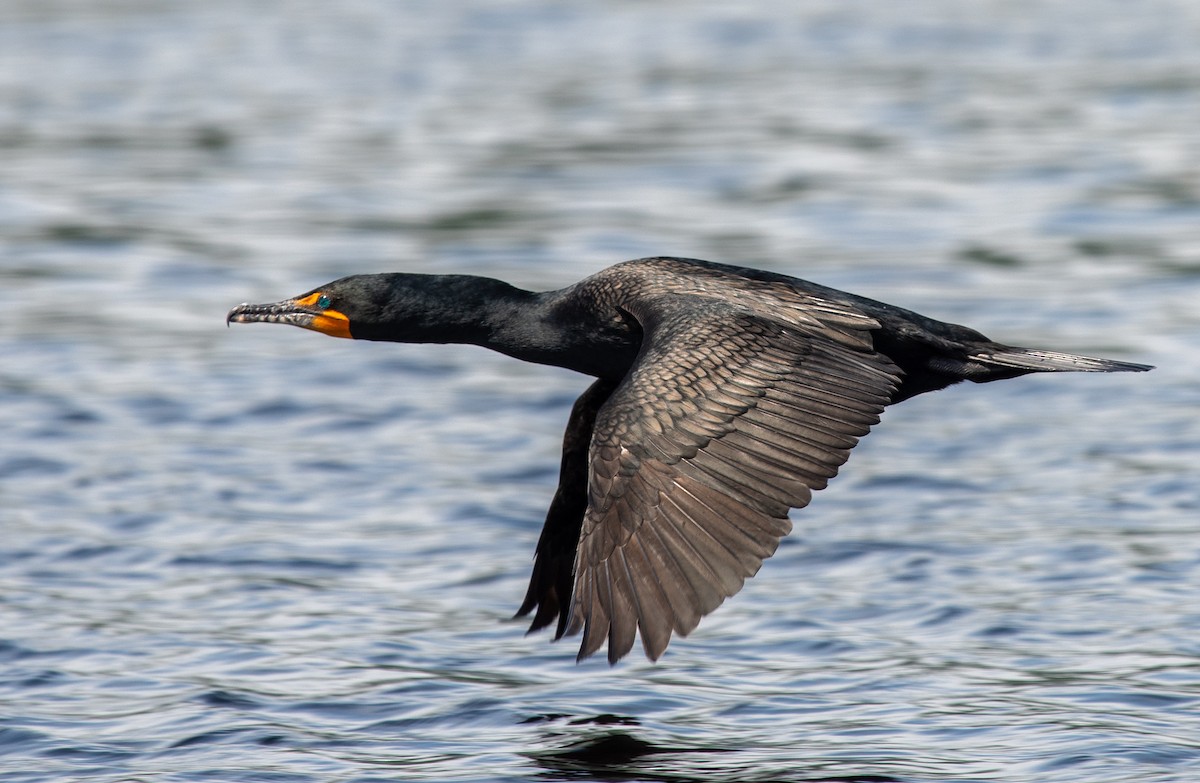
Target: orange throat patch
[{"x": 331, "y": 322}]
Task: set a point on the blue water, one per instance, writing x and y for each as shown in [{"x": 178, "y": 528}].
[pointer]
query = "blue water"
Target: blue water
[{"x": 258, "y": 554}]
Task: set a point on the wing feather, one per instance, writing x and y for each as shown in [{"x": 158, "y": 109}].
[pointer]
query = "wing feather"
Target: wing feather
[
  {"x": 728, "y": 419},
  {"x": 676, "y": 582}
]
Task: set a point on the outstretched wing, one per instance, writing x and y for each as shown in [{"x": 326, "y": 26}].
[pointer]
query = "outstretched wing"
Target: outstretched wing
[
  {"x": 726, "y": 421},
  {"x": 552, "y": 580}
]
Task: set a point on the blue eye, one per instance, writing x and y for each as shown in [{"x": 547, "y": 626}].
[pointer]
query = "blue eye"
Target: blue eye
[{"x": 324, "y": 302}]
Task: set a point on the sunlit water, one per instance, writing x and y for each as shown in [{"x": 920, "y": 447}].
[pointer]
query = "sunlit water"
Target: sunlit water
[{"x": 258, "y": 554}]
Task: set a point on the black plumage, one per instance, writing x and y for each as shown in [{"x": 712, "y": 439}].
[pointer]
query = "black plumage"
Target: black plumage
[{"x": 724, "y": 397}]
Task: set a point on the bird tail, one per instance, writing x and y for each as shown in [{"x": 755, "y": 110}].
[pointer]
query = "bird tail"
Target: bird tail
[{"x": 1033, "y": 360}]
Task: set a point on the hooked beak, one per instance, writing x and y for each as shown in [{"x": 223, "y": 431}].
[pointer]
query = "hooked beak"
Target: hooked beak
[{"x": 301, "y": 312}]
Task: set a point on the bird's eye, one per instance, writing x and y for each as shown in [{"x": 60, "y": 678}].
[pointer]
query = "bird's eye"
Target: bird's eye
[{"x": 324, "y": 302}]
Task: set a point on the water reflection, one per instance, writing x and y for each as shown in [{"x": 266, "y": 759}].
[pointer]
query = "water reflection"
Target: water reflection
[
  {"x": 614, "y": 756},
  {"x": 623, "y": 756}
]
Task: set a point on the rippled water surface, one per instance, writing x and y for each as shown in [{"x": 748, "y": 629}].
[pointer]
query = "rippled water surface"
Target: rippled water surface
[{"x": 257, "y": 554}]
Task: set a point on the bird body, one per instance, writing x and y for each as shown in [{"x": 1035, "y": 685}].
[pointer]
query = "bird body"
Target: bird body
[{"x": 724, "y": 397}]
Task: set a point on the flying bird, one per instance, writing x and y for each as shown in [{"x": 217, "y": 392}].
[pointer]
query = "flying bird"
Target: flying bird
[{"x": 723, "y": 398}]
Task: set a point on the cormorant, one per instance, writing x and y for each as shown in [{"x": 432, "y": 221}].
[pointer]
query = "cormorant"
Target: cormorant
[{"x": 724, "y": 397}]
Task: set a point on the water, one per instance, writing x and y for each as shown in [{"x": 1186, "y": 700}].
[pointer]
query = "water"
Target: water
[{"x": 262, "y": 555}]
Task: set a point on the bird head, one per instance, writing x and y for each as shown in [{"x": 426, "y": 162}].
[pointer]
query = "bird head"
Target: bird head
[
  {"x": 326, "y": 309},
  {"x": 396, "y": 307}
]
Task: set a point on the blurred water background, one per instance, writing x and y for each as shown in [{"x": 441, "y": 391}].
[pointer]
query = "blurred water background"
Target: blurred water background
[{"x": 259, "y": 554}]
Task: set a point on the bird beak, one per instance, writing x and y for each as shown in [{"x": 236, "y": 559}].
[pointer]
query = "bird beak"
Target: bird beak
[{"x": 302, "y": 312}]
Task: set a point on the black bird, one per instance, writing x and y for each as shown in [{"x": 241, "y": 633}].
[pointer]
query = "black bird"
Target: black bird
[{"x": 724, "y": 397}]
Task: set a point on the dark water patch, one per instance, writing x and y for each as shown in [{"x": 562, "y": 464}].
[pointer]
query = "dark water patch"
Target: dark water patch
[
  {"x": 230, "y": 736},
  {"x": 430, "y": 367},
  {"x": 541, "y": 475},
  {"x": 279, "y": 409},
  {"x": 1108, "y": 247},
  {"x": 1166, "y": 191},
  {"x": 921, "y": 482},
  {"x": 92, "y": 234},
  {"x": 26, "y": 467},
  {"x": 12, "y": 556},
  {"x": 130, "y": 140},
  {"x": 989, "y": 256},
  {"x": 222, "y": 698},
  {"x": 158, "y": 410},
  {"x": 80, "y": 416},
  {"x": 785, "y": 190},
  {"x": 11, "y": 651},
  {"x": 85, "y": 553},
  {"x": 23, "y": 273},
  {"x": 94, "y": 754},
  {"x": 397, "y": 653},
  {"x": 378, "y": 225},
  {"x": 354, "y": 424},
  {"x": 466, "y": 516},
  {"x": 400, "y": 726},
  {"x": 132, "y": 521},
  {"x": 21, "y": 741},
  {"x": 944, "y": 615},
  {"x": 238, "y": 562},
  {"x": 840, "y": 552},
  {"x": 1189, "y": 267},
  {"x": 212, "y": 138},
  {"x": 47, "y": 678},
  {"x": 359, "y": 710},
  {"x": 483, "y": 218},
  {"x": 819, "y": 647},
  {"x": 1166, "y": 570},
  {"x": 1137, "y": 698},
  {"x": 327, "y": 466},
  {"x": 245, "y": 774}
]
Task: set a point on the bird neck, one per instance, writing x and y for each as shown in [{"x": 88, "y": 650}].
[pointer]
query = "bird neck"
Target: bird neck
[
  {"x": 558, "y": 328},
  {"x": 470, "y": 310},
  {"x": 564, "y": 329}
]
